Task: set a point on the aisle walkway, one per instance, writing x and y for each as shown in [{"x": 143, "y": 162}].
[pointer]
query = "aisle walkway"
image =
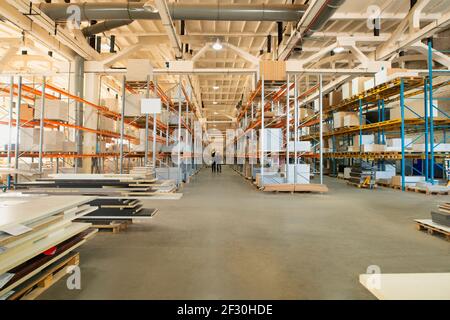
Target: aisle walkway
[{"x": 226, "y": 240}]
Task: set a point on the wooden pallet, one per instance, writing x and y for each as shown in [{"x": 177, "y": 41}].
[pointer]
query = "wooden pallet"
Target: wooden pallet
[
  {"x": 298, "y": 188},
  {"x": 427, "y": 192},
  {"x": 36, "y": 286},
  {"x": 113, "y": 226},
  {"x": 433, "y": 228}
]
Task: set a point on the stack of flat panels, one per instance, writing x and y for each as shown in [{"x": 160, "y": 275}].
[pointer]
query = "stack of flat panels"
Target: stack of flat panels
[
  {"x": 118, "y": 197},
  {"x": 442, "y": 216},
  {"x": 360, "y": 172},
  {"x": 36, "y": 232},
  {"x": 119, "y": 209}
]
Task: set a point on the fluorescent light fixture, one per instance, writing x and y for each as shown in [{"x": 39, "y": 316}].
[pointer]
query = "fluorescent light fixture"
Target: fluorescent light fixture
[
  {"x": 216, "y": 87},
  {"x": 339, "y": 50},
  {"x": 217, "y": 45}
]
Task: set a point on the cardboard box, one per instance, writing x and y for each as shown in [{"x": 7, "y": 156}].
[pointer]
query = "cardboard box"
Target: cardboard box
[
  {"x": 54, "y": 110},
  {"x": 358, "y": 85},
  {"x": 352, "y": 120},
  {"x": 415, "y": 109},
  {"x": 335, "y": 97},
  {"x": 409, "y": 181},
  {"x": 112, "y": 104},
  {"x": 373, "y": 148},
  {"x": 347, "y": 90},
  {"x": 133, "y": 105},
  {"x": 272, "y": 70},
  {"x": 26, "y": 112}
]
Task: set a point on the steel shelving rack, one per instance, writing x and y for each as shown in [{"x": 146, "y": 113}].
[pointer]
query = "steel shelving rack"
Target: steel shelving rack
[{"x": 20, "y": 92}]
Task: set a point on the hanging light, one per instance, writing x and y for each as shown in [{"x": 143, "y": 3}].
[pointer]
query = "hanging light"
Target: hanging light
[
  {"x": 215, "y": 103},
  {"x": 339, "y": 50},
  {"x": 217, "y": 45},
  {"x": 216, "y": 87}
]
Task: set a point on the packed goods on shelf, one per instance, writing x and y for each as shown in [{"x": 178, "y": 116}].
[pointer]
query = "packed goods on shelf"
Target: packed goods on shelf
[{"x": 53, "y": 110}]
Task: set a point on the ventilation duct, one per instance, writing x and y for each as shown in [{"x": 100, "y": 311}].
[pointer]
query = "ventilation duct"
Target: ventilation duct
[
  {"x": 325, "y": 14},
  {"x": 104, "y": 26},
  {"x": 178, "y": 11}
]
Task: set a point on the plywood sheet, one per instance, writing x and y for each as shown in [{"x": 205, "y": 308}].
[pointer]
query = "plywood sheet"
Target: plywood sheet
[
  {"x": 28, "y": 210},
  {"x": 408, "y": 286}
]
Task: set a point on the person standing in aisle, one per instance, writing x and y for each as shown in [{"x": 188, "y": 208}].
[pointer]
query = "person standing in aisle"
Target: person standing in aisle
[
  {"x": 218, "y": 162},
  {"x": 214, "y": 164}
]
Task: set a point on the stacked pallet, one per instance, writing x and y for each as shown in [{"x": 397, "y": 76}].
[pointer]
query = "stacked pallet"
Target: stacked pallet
[
  {"x": 362, "y": 175},
  {"x": 439, "y": 222},
  {"x": 37, "y": 239}
]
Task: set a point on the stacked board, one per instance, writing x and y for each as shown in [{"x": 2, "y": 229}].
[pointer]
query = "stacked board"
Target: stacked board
[
  {"x": 37, "y": 233},
  {"x": 117, "y": 197},
  {"x": 99, "y": 185}
]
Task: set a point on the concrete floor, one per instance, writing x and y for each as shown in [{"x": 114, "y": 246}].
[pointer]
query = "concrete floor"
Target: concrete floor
[{"x": 226, "y": 240}]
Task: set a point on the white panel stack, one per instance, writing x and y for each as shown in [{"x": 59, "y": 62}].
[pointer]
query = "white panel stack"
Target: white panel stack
[
  {"x": 441, "y": 147},
  {"x": 366, "y": 139},
  {"x": 300, "y": 146},
  {"x": 54, "y": 110},
  {"x": 347, "y": 172},
  {"x": 395, "y": 145},
  {"x": 373, "y": 148},
  {"x": 273, "y": 140},
  {"x": 303, "y": 173}
]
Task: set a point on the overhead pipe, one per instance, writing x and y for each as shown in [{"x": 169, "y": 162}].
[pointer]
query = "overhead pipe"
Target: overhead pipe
[
  {"x": 105, "y": 26},
  {"x": 325, "y": 13},
  {"x": 303, "y": 30},
  {"x": 178, "y": 11}
]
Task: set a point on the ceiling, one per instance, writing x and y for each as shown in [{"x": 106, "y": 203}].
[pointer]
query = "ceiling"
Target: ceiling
[{"x": 251, "y": 36}]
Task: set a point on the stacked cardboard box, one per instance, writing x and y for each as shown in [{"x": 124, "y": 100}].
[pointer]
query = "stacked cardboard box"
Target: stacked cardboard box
[
  {"x": 54, "y": 110},
  {"x": 409, "y": 181},
  {"x": 339, "y": 119},
  {"x": 112, "y": 104},
  {"x": 26, "y": 112}
]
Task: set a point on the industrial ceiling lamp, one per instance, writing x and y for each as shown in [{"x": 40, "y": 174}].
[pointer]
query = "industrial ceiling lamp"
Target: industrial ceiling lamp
[
  {"x": 339, "y": 50},
  {"x": 217, "y": 45}
]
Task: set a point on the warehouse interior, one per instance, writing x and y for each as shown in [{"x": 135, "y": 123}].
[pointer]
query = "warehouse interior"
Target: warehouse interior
[{"x": 260, "y": 149}]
